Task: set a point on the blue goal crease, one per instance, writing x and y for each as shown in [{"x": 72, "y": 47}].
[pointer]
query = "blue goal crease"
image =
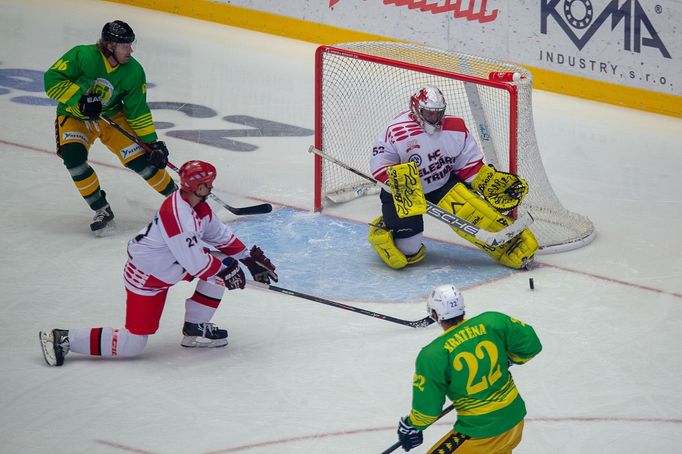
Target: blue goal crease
[{"x": 330, "y": 257}]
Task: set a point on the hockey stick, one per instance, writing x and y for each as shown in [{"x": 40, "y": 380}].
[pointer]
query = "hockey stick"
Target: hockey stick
[
  {"x": 241, "y": 211},
  {"x": 254, "y": 209},
  {"x": 491, "y": 238},
  {"x": 396, "y": 445},
  {"x": 413, "y": 324}
]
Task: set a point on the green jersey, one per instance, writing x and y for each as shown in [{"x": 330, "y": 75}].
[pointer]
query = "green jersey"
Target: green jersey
[
  {"x": 84, "y": 69},
  {"x": 468, "y": 363}
]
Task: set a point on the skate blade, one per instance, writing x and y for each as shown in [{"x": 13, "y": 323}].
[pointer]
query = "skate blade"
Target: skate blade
[
  {"x": 111, "y": 227},
  {"x": 199, "y": 342},
  {"x": 45, "y": 345}
]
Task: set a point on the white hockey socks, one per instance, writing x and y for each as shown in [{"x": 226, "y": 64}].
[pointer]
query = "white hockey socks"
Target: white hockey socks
[
  {"x": 106, "y": 342},
  {"x": 203, "y": 304}
]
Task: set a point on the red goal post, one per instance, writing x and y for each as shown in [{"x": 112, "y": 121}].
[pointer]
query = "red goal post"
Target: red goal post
[{"x": 360, "y": 86}]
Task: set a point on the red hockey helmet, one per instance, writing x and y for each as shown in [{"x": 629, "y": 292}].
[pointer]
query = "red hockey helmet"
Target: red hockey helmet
[{"x": 193, "y": 173}]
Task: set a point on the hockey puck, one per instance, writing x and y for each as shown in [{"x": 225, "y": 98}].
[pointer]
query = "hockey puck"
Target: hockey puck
[{"x": 531, "y": 284}]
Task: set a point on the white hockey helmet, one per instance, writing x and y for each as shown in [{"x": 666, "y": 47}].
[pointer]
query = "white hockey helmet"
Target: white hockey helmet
[
  {"x": 428, "y": 106},
  {"x": 447, "y": 303}
]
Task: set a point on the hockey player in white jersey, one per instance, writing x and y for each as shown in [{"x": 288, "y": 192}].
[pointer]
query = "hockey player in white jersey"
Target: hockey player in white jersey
[
  {"x": 447, "y": 163},
  {"x": 172, "y": 248}
]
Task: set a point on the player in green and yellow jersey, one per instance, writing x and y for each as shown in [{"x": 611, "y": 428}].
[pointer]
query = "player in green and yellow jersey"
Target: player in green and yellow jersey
[
  {"x": 469, "y": 364},
  {"x": 104, "y": 79}
]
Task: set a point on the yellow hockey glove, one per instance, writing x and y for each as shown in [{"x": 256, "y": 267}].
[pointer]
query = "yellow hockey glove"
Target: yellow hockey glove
[
  {"x": 406, "y": 189},
  {"x": 504, "y": 191}
]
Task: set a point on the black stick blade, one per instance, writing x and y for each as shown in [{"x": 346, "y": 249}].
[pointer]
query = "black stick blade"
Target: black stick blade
[{"x": 255, "y": 209}]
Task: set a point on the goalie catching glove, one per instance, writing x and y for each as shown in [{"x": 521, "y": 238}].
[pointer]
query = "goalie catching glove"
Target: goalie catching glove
[
  {"x": 260, "y": 266},
  {"x": 504, "y": 191}
]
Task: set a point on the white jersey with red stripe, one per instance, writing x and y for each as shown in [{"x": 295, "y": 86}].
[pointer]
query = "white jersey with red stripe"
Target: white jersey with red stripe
[
  {"x": 437, "y": 155},
  {"x": 172, "y": 247}
]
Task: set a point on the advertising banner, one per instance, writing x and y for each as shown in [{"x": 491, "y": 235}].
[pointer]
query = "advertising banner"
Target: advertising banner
[
  {"x": 625, "y": 42},
  {"x": 623, "y": 52}
]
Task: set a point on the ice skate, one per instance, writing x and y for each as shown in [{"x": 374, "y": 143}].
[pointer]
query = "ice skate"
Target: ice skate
[
  {"x": 55, "y": 345},
  {"x": 203, "y": 335},
  {"x": 103, "y": 219}
]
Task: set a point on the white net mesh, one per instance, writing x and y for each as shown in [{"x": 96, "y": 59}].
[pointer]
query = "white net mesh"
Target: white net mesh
[{"x": 358, "y": 95}]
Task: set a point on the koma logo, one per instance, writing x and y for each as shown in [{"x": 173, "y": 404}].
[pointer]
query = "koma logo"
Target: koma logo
[{"x": 579, "y": 14}]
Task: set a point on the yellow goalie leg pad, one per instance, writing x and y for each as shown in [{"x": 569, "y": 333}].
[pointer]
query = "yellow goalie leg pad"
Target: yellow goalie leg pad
[
  {"x": 381, "y": 240},
  {"x": 406, "y": 189},
  {"x": 461, "y": 202}
]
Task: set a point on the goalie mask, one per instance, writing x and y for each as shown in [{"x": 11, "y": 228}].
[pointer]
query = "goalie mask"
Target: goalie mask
[
  {"x": 445, "y": 303},
  {"x": 428, "y": 106},
  {"x": 194, "y": 173}
]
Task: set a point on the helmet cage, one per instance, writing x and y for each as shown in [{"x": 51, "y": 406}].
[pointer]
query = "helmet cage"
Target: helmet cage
[{"x": 428, "y": 99}]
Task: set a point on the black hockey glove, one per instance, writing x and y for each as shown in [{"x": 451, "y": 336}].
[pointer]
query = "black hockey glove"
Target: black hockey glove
[
  {"x": 90, "y": 105},
  {"x": 409, "y": 436},
  {"x": 260, "y": 266},
  {"x": 157, "y": 154},
  {"x": 232, "y": 275}
]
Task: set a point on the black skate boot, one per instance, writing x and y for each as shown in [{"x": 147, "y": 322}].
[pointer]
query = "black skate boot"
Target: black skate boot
[
  {"x": 203, "y": 335},
  {"x": 102, "y": 218},
  {"x": 55, "y": 345}
]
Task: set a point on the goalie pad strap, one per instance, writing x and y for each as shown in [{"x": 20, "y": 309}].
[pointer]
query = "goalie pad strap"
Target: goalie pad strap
[{"x": 461, "y": 202}]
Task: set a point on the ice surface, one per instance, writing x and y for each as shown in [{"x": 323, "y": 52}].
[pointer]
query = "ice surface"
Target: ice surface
[{"x": 300, "y": 376}]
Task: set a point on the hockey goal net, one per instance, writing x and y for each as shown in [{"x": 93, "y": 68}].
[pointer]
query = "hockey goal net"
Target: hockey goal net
[{"x": 361, "y": 86}]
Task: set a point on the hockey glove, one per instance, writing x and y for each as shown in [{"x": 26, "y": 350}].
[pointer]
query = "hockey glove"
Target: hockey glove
[
  {"x": 409, "y": 436},
  {"x": 260, "y": 266},
  {"x": 157, "y": 155},
  {"x": 504, "y": 191},
  {"x": 90, "y": 105},
  {"x": 232, "y": 275}
]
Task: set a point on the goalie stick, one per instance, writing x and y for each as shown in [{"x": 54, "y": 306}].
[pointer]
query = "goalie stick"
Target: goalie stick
[
  {"x": 490, "y": 238},
  {"x": 253, "y": 209},
  {"x": 396, "y": 445},
  {"x": 421, "y": 323}
]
